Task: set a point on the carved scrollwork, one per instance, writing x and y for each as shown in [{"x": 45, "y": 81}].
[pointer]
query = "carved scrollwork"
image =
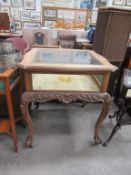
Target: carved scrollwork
[{"x": 65, "y": 97}]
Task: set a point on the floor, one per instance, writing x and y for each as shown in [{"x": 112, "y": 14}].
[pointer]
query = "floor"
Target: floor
[{"x": 63, "y": 144}]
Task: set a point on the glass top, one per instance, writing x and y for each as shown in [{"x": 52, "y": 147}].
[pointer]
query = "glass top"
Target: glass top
[{"x": 65, "y": 57}]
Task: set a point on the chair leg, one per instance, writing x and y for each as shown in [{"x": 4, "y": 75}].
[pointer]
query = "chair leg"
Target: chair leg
[
  {"x": 11, "y": 115},
  {"x": 14, "y": 137},
  {"x": 119, "y": 115},
  {"x": 114, "y": 115},
  {"x": 37, "y": 104},
  {"x": 115, "y": 129}
]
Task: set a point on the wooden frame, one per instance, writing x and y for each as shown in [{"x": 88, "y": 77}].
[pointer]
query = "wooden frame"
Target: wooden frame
[{"x": 64, "y": 14}]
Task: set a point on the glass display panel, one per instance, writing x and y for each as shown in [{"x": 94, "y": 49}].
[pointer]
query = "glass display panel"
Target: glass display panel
[
  {"x": 98, "y": 78},
  {"x": 65, "y": 82},
  {"x": 65, "y": 57}
]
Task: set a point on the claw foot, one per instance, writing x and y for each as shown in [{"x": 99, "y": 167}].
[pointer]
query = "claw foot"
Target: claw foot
[
  {"x": 28, "y": 142},
  {"x": 97, "y": 140}
]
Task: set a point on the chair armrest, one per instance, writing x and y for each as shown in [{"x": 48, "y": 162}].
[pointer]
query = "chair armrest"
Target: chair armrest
[{"x": 7, "y": 73}]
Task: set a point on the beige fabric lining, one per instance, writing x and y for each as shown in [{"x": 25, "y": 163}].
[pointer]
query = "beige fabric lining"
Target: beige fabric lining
[{"x": 64, "y": 82}]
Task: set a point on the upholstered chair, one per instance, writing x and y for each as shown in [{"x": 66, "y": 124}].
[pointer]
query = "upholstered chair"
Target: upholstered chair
[{"x": 21, "y": 44}]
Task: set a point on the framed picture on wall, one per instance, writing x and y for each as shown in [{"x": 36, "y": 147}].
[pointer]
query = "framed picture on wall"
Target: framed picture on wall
[
  {"x": 5, "y": 9},
  {"x": 51, "y": 13},
  {"x": 35, "y": 25},
  {"x": 5, "y": 2},
  {"x": 72, "y": 14},
  {"x": 101, "y": 3},
  {"x": 60, "y": 14},
  {"x": 35, "y": 16},
  {"x": 128, "y": 2},
  {"x": 94, "y": 16},
  {"x": 66, "y": 14},
  {"x": 29, "y": 4},
  {"x": 17, "y": 3},
  {"x": 50, "y": 23},
  {"x": 18, "y": 25},
  {"x": 118, "y": 2},
  {"x": 14, "y": 12},
  {"x": 69, "y": 24},
  {"x": 86, "y": 4},
  {"x": 81, "y": 16},
  {"x": 25, "y": 15}
]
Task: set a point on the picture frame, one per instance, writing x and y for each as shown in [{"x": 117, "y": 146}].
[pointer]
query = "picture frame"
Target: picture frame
[
  {"x": 69, "y": 24},
  {"x": 18, "y": 25},
  {"x": 86, "y": 4},
  {"x": 35, "y": 16},
  {"x": 72, "y": 14},
  {"x": 5, "y": 2},
  {"x": 128, "y": 2},
  {"x": 59, "y": 23},
  {"x": 76, "y": 4},
  {"x": 25, "y": 15},
  {"x": 5, "y": 9},
  {"x": 60, "y": 14},
  {"x": 81, "y": 16},
  {"x": 29, "y": 4},
  {"x": 62, "y": 4},
  {"x": 50, "y": 23},
  {"x": 94, "y": 16},
  {"x": 50, "y": 13},
  {"x": 118, "y": 2},
  {"x": 66, "y": 14},
  {"x": 35, "y": 25},
  {"x": 101, "y": 3},
  {"x": 14, "y": 12},
  {"x": 79, "y": 24},
  {"x": 17, "y": 3}
]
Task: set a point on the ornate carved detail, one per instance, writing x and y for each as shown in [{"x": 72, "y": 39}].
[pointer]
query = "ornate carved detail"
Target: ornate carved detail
[{"x": 65, "y": 97}]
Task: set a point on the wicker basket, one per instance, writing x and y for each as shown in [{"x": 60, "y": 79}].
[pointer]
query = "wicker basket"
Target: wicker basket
[{"x": 112, "y": 33}]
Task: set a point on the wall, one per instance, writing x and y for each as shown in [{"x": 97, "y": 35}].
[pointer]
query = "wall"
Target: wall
[
  {"x": 23, "y": 17},
  {"x": 31, "y": 18}
]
